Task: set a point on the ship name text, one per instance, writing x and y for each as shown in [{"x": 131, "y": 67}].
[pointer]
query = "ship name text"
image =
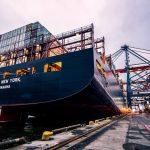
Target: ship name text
[{"x": 8, "y": 81}]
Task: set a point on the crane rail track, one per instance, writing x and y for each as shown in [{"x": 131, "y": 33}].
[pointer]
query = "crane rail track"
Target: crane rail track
[
  {"x": 82, "y": 135},
  {"x": 66, "y": 137}
]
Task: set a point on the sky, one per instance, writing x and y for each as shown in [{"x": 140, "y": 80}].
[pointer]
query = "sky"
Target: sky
[{"x": 119, "y": 21}]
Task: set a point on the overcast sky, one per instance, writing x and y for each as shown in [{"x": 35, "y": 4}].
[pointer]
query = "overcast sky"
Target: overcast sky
[{"x": 120, "y": 21}]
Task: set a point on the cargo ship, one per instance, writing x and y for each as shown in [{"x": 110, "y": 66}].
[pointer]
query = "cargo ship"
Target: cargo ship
[{"x": 66, "y": 76}]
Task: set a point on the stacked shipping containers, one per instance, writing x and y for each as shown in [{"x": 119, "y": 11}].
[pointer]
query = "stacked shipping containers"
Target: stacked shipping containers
[{"x": 23, "y": 37}]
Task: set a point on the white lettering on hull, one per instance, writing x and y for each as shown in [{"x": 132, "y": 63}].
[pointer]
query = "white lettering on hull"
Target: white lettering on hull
[
  {"x": 15, "y": 80},
  {"x": 8, "y": 81},
  {"x": 5, "y": 87}
]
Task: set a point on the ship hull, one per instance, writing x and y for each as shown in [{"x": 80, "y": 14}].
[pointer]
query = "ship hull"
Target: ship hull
[
  {"x": 79, "y": 91},
  {"x": 83, "y": 106}
]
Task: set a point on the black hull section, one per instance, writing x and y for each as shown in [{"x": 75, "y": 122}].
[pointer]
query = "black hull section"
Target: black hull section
[
  {"x": 91, "y": 103},
  {"x": 78, "y": 92},
  {"x": 77, "y": 71}
]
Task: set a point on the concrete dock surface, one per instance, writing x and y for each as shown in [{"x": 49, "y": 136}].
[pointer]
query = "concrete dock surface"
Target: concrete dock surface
[{"x": 130, "y": 133}]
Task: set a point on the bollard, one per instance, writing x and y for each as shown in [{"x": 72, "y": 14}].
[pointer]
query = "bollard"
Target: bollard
[
  {"x": 96, "y": 121},
  {"x": 91, "y": 122},
  {"x": 113, "y": 117},
  {"x": 46, "y": 135},
  {"x": 107, "y": 118}
]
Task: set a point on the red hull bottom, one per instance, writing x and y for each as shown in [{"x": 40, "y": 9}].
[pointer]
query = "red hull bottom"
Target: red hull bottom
[{"x": 10, "y": 115}]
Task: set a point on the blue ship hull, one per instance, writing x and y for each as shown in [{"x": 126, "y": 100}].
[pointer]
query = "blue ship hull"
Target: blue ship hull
[{"x": 79, "y": 90}]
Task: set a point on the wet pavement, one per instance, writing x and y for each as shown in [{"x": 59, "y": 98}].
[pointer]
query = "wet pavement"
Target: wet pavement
[{"x": 129, "y": 133}]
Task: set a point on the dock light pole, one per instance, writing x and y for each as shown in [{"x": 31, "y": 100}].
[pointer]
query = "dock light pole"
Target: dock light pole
[{"x": 128, "y": 88}]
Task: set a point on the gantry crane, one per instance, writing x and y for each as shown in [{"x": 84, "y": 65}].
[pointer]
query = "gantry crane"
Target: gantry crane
[{"x": 137, "y": 75}]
